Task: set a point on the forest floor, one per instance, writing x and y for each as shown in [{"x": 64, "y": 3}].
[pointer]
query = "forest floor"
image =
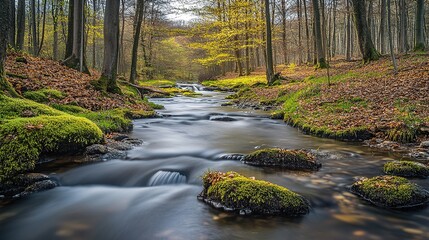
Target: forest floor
[{"x": 361, "y": 102}]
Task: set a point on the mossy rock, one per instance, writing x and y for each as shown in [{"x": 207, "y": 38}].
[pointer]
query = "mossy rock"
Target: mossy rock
[
  {"x": 236, "y": 193},
  {"x": 391, "y": 192},
  {"x": 25, "y": 139},
  {"x": 29, "y": 129},
  {"x": 283, "y": 158},
  {"x": 406, "y": 169}
]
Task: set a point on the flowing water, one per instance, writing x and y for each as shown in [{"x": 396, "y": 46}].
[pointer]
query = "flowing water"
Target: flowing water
[{"x": 152, "y": 194}]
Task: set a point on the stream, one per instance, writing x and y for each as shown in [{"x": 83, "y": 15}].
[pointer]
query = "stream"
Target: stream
[{"x": 152, "y": 194}]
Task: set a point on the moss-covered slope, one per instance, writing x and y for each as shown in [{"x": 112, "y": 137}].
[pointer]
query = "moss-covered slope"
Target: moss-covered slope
[{"x": 29, "y": 129}]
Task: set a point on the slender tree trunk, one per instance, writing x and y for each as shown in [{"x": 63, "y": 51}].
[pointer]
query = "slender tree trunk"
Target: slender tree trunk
[
  {"x": 55, "y": 11},
  {"x": 383, "y": 27},
  {"x": 137, "y": 29},
  {"x": 321, "y": 62},
  {"x": 121, "y": 57},
  {"x": 43, "y": 28},
  {"x": 284, "y": 40},
  {"x": 298, "y": 5},
  {"x": 21, "y": 25},
  {"x": 307, "y": 32},
  {"x": 348, "y": 33},
  {"x": 334, "y": 29},
  {"x": 247, "y": 41},
  {"x": 34, "y": 27},
  {"x": 94, "y": 24},
  {"x": 70, "y": 30},
  {"x": 111, "y": 47},
  {"x": 420, "y": 26},
  {"x": 392, "y": 54},
  {"x": 269, "y": 46},
  {"x": 369, "y": 53},
  {"x": 12, "y": 23}
]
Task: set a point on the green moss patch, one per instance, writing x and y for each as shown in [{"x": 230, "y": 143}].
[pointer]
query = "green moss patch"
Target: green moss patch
[
  {"x": 236, "y": 83},
  {"x": 243, "y": 195},
  {"x": 406, "y": 169},
  {"x": 43, "y": 95},
  {"x": 283, "y": 158},
  {"x": 115, "y": 120},
  {"x": 25, "y": 139},
  {"x": 29, "y": 129},
  {"x": 391, "y": 192}
]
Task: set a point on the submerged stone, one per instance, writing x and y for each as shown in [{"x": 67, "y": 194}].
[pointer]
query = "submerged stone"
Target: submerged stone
[
  {"x": 390, "y": 192},
  {"x": 406, "y": 169},
  {"x": 246, "y": 196},
  {"x": 222, "y": 119},
  {"x": 283, "y": 158}
]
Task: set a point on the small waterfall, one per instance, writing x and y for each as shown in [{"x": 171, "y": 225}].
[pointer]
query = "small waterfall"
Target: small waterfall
[
  {"x": 235, "y": 156},
  {"x": 166, "y": 178}
]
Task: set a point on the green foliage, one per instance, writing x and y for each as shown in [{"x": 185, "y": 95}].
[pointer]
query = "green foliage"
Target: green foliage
[
  {"x": 239, "y": 192},
  {"x": 406, "y": 169},
  {"x": 158, "y": 83},
  {"x": 43, "y": 95},
  {"x": 390, "y": 191},
  {"x": 345, "y": 105},
  {"x": 71, "y": 109},
  {"x": 236, "y": 83},
  {"x": 45, "y": 130}
]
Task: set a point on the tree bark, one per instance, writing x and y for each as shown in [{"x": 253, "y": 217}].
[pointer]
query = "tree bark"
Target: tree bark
[
  {"x": 12, "y": 23},
  {"x": 269, "y": 46},
  {"x": 307, "y": 32},
  {"x": 43, "y": 28},
  {"x": 348, "y": 33},
  {"x": 392, "y": 54},
  {"x": 369, "y": 53},
  {"x": 70, "y": 24},
  {"x": 138, "y": 19},
  {"x": 420, "y": 26},
  {"x": 383, "y": 27},
  {"x": 321, "y": 62},
  {"x": 33, "y": 27},
  {"x": 107, "y": 81},
  {"x": 77, "y": 59},
  {"x": 5, "y": 87},
  {"x": 21, "y": 25},
  {"x": 403, "y": 36}
]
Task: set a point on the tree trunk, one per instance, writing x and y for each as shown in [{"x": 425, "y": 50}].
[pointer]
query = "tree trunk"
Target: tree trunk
[
  {"x": 12, "y": 23},
  {"x": 55, "y": 11},
  {"x": 107, "y": 81},
  {"x": 77, "y": 59},
  {"x": 43, "y": 28},
  {"x": 392, "y": 54},
  {"x": 137, "y": 29},
  {"x": 5, "y": 87},
  {"x": 307, "y": 32},
  {"x": 369, "y": 53},
  {"x": 70, "y": 31},
  {"x": 348, "y": 33},
  {"x": 383, "y": 27},
  {"x": 33, "y": 27},
  {"x": 21, "y": 25},
  {"x": 403, "y": 36},
  {"x": 420, "y": 26},
  {"x": 269, "y": 46},
  {"x": 334, "y": 30},
  {"x": 284, "y": 40},
  {"x": 298, "y": 3},
  {"x": 94, "y": 24},
  {"x": 321, "y": 62}
]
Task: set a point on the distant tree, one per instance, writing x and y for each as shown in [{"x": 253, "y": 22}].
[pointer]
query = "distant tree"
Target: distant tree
[
  {"x": 270, "y": 66},
  {"x": 21, "y": 25},
  {"x": 138, "y": 18},
  {"x": 420, "y": 26},
  {"x": 321, "y": 61},
  {"x": 33, "y": 22},
  {"x": 369, "y": 53},
  {"x": 5, "y": 87},
  {"x": 107, "y": 81},
  {"x": 392, "y": 54},
  {"x": 70, "y": 24},
  {"x": 77, "y": 59},
  {"x": 383, "y": 27}
]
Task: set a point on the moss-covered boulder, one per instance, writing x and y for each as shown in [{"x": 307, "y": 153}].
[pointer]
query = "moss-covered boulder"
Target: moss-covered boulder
[
  {"x": 24, "y": 137},
  {"x": 391, "y": 192},
  {"x": 283, "y": 158},
  {"x": 406, "y": 169},
  {"x": 232, "y": 192}
]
